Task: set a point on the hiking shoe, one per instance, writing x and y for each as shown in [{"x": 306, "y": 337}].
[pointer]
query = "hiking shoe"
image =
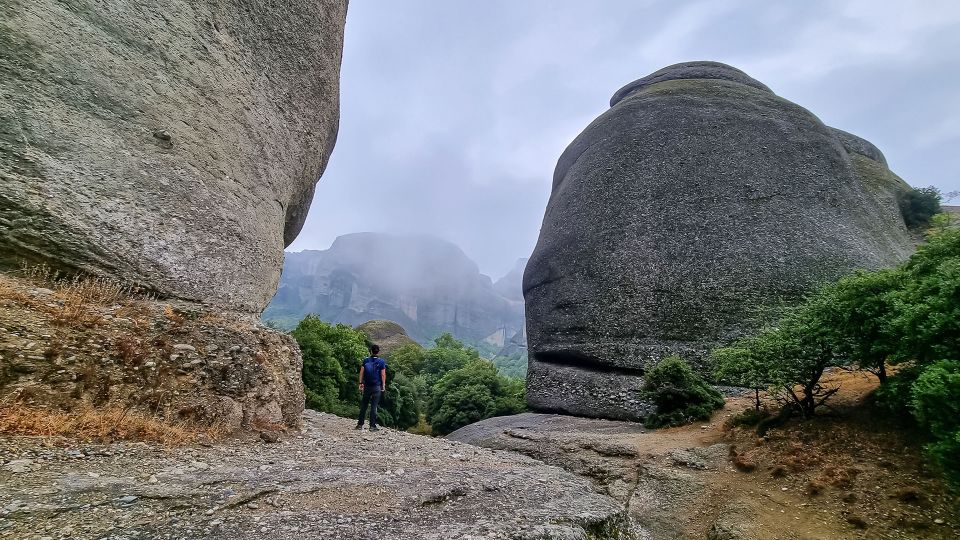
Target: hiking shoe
[
  {"x": 374, "y": 428},
  {"x": 359, "y": 427}
]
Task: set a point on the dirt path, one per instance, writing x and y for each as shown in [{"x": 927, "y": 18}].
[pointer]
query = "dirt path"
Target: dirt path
[{"x": 838, "y": 477}]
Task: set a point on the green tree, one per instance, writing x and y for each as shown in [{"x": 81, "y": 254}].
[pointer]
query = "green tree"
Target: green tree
[
  {"x": 400, "y": 405},
  {"x": 792, "y": 354},
  {"x": 448, "y": 355},
  {"x": 681, "y": 396},
  {"x": 745, "y": 365},
  {"x": 331, "y": 361},
  {"x": 447, "y": 341},
  {"x": 919, "y": 205},
  {"x": 470, "y": 394},
  {"x": 408, "y": 359},
  {"x": 935, "y": 402},
  {"x": 926, "y": 327}
]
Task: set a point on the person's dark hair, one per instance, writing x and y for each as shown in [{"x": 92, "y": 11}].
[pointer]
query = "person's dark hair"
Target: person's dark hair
[{"x": 374, "y": 350}]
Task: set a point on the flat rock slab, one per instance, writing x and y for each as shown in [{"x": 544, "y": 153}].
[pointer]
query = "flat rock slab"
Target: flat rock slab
[{"x": 327, "y": 481}]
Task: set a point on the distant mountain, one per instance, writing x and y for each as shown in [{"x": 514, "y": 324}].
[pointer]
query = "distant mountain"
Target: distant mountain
[
  {"x": 510, "y": 286},
  {"x": 425, "y": 284}
]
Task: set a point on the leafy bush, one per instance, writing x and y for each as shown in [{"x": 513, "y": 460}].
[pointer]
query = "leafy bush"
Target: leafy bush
[
  {"x": 935, "y": 402},
  {"x": 470, "y": 394},
  {"x": 681, "y": 396},
  {"x": 919, "y": 205}
]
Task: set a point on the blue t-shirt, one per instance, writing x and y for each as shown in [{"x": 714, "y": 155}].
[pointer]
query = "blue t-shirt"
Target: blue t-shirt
[{"x": 371, "y": 371}]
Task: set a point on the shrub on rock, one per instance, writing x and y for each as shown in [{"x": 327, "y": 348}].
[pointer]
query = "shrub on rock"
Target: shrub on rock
[{"x": 681, "y": 396}]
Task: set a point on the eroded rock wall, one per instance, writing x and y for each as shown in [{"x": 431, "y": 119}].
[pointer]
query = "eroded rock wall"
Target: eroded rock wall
[
  {"x": 684, "y": 217},
  {"x": 173, "y": 144}
]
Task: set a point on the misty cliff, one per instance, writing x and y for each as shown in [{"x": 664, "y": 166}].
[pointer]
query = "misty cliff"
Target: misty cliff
[{"x": 425, "y": 284}]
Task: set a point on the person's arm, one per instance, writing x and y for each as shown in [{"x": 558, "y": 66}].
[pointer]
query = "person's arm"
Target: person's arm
[
  {"x": 383, "y": 380},
  {"x": 361, "y": 377}
]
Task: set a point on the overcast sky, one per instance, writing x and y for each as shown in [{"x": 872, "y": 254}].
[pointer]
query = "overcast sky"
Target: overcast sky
[{"x": 454, "y": 112}]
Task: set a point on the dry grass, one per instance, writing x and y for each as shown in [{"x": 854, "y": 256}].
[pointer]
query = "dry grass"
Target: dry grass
[
  {"x": 76, "y": 298},
  {"x": 10, "y": 291},
  {"x": 106, "y": 424}
]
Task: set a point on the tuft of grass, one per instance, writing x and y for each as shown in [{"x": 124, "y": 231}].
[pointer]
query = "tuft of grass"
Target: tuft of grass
[
  {"x": 747, "y": 418},
  {"x": 104, "y": 424},
  {"x": 76, "y": 297}
]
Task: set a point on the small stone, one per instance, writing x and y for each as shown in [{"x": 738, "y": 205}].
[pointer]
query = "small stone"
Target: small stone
[
  {"x": 21, "y": 466},
  {"x": 153, "y": 479},
  {"x": 253, "y": 505},
  {"x": 938, "y": 521},
  {"x": 270, "y": 437},
  {"x": 184, "y": 347},
  {"x": 128, "y": 499},
  {"x": 93, "y": 475}
]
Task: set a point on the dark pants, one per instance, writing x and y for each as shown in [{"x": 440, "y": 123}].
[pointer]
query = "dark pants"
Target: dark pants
[{"x": 371, "y": 396}]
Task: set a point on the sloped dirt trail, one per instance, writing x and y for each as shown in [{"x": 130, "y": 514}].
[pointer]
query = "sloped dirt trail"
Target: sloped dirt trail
[{"x": 832, "y": 478}]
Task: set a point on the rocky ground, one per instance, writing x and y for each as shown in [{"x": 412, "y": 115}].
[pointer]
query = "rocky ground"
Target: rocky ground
[
  {"x": 842, "y": 476},
  {"x": 324, "y": 481}
]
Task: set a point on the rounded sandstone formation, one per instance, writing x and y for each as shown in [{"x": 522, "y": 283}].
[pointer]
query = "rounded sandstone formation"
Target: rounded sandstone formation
[
  {"x": 388, "y": 335},
  {"x": 172, "y": 144},
  {"x": 684, "y": 217}
]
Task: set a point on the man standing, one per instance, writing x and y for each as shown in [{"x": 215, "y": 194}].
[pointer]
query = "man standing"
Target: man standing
[{"x": 373, "y": 383}]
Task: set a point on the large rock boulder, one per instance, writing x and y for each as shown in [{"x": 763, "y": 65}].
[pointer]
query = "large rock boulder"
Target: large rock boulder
[
  {"x": 681, "y": 219},
  {"x": 388, "y": 335},
  {"x": 173, "y": 144}
]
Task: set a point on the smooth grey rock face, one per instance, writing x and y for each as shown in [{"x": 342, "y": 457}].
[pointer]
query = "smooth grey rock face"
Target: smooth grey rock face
[
  {"x": 684, "y": 217},
  {"x": 174, "y": 144}
]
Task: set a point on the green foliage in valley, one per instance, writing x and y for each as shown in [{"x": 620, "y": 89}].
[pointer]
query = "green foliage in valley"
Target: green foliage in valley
[
  {"x": 681, "y": 396},
  {"x": 512, "y": 365},
  {"x": 442, "y": 388},
  {"x": 908, "y": 316}
]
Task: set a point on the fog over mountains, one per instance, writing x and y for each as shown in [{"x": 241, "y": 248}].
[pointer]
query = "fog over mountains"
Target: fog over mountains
[{"x": 425, "y": 284}]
